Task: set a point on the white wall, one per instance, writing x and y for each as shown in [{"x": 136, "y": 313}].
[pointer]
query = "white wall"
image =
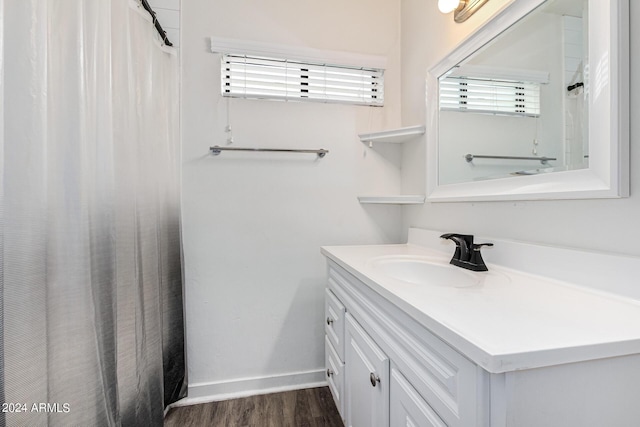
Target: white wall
[
  {"x": 608, "y": 225},
  {"x": 254, "y": 223}
]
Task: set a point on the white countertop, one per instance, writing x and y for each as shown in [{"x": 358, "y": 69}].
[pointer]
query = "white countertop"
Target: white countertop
[{"x": 512, "y": 320}]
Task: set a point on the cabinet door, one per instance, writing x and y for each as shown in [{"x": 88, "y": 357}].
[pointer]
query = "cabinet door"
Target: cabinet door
[
  {"x": 366, "y": 379},
  {"x": 407, "y": 408}
]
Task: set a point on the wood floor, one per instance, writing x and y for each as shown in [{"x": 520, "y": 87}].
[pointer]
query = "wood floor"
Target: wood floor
[{"x": 313, "y": 407}]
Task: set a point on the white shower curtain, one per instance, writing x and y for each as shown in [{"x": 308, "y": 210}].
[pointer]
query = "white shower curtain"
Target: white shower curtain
[{"x": 90, "y": 257}]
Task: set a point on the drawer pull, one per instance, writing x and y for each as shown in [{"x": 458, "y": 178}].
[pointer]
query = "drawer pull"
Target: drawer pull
[
  {"x": 374, "y": 379},
  {"x": 329, "y": 321},
  {"x": 329, "y": 373}
]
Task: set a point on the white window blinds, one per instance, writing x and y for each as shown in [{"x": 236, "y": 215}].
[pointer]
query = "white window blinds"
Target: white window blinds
[
  {"x": 490, "y": 96},
  {"x": 270, "y": 78}
]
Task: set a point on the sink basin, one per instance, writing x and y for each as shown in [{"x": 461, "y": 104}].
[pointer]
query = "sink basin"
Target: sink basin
[{"x": 425, "y": 271}]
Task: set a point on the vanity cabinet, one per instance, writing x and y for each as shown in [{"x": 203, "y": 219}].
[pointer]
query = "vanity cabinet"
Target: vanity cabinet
[
  {"x": 515, "y": 350},
  {"x": 393, "y": 372}
]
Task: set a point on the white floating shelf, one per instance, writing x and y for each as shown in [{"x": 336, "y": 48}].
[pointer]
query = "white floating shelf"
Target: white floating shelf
[
  {"x": 392, "y": 200},
  {"x": 394, "y": 135}
]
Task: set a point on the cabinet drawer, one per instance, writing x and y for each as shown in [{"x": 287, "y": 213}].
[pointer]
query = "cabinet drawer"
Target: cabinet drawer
[
  {"x": 335, "y": 374},
  {"x": 334, "y": 322},
  {"x": 407, "y": 408}
]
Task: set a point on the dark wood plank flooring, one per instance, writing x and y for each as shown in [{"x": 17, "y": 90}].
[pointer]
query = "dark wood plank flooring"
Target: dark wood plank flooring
[{"x": 312, "y": 407}]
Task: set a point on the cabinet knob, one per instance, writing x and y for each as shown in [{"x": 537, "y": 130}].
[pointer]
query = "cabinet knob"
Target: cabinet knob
[
  {"x": 329, "y": 372},
  {"x": 374, "y": 379},
  {"x": 329, "y": 321}
]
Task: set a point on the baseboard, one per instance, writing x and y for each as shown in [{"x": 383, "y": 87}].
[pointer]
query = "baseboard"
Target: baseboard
[{"x": 243, "y": 387}]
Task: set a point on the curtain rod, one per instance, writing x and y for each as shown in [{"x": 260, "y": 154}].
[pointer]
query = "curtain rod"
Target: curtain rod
[{"x": 156, "y": 23}]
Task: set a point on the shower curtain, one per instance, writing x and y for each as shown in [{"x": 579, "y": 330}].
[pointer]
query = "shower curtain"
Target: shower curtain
[{"x": 91, "y": 307}]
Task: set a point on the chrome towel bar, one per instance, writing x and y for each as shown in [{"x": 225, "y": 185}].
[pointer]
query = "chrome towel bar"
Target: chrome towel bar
[
  {"x": 469, "y": 158},
  {"x": 215, "y": 150}
]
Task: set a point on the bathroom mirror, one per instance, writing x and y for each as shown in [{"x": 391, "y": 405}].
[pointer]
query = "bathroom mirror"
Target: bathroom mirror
[{"x": 533, "y": 105}]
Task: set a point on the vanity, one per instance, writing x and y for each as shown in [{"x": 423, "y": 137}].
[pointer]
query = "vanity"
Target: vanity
[
  {"x": 547, "y": 336},
  {"x": 413, "y": 341}
]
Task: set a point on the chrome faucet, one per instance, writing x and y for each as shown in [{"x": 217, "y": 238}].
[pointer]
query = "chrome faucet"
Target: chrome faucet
[{"x": 467, "y": 254}]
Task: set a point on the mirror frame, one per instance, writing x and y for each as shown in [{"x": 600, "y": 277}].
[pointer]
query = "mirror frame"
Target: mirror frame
[{"x": 608, "y": 172}]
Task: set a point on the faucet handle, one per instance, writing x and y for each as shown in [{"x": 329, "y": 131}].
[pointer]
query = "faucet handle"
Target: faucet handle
[
  {"x": 475, "y": 259},
  {"x": 477, "y": 246}
]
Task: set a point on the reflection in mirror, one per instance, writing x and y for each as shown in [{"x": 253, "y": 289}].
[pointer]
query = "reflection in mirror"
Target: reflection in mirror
[{"x": 518, "y": 106}]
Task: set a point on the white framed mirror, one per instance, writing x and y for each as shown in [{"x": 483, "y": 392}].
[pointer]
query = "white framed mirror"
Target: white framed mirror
[{"x": 565, "y": 135}]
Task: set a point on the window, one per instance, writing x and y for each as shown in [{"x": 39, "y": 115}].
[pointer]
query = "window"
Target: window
[
  {"x": 488, "y": 96},
  {"x": 246, "y": 76}
]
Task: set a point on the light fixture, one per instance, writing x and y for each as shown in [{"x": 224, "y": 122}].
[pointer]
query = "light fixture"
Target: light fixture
[
  {"x": 462, "y": 9},
  {"x": 447, "y": 6}
]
